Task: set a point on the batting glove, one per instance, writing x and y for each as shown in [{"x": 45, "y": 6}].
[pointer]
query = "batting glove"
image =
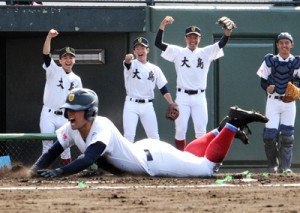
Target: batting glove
[{"x": 50, "y": 173}]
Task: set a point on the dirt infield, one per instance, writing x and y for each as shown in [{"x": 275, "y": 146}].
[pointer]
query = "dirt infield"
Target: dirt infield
[{"x": 88, "y": 192}]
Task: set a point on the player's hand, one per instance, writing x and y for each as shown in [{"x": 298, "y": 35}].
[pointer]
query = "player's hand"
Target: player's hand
[
  {"x": 50, "y": 173},
  {"x": 167, "y": 20},
  {"x": 52, "y": 33},
  {"x": 271, "y": 89},
  {"x": 128, "y": 58}
]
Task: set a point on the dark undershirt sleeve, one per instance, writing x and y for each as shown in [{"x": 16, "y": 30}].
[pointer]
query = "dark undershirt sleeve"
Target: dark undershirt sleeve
[
  {"x": 47, "y": 60},
  {"x": 92, "y": 153},
  {"x": 223, "y": 41},
  {"x": 49, "y": 157},
  {"x": 164, "y": 90},
  {"x": 159, "y": 41},
  {"x": 264, "y": 83}
]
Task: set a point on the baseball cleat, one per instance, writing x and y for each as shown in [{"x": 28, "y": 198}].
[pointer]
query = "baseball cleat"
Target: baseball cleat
[
  {"x": 239, "y": 134},
  {"x": 246, "y": 117}
]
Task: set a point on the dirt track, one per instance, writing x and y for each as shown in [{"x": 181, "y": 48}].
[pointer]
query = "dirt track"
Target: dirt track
[{"x": 108, "y": 193}]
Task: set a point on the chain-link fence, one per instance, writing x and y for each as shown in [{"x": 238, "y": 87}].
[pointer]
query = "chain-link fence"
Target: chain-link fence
[{"x": 25, "y": 149}]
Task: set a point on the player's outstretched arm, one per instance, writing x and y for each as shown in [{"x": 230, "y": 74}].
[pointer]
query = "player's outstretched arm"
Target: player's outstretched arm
[
  {"x": 47, "y": 44},
  {"x": 92, "y": 153},
  {"x": 159, "y": 36}
]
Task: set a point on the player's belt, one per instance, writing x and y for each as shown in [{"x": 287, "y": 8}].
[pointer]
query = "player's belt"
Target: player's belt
[
  {"x": 148, "y": 154},
  {"x": 140, "y": 100},
  {"x": 190, "y": 92},
  {"x": 278, "y": 97},
  {"x": 56, "y": 112}
]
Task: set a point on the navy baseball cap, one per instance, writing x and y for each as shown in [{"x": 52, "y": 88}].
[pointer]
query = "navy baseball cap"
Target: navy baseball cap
[
  {"x": 284, "y": 35},
  {"x": 192, "y": 29},
  {"x": 66, "y": 50},
  {"x": 142, "y": 41}
]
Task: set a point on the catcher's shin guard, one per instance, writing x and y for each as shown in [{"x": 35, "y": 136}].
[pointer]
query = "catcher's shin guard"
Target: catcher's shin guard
[
  {"x": 285, "y": 152},
  {"x": 271, "y": 154},
  {"x": 180, "y": 144}
]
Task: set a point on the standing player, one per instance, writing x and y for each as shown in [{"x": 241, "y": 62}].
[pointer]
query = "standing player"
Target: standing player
[
  {"x": 141, "y": 77},
  {"x": 60, "y": 80},
  {"x": 97, "y": 136},
  {"x": 192, "y": 66},
  {"x": 275, "y": 73}
]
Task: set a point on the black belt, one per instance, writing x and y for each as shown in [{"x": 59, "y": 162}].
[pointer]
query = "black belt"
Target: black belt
[
  {"x": 141, "y": 100},
  {"x": 279, "y": 97},
  {"x": 148, "y": 154},
  {"x": 56, "y": 112},
  {"x": 191, "y": 92}
]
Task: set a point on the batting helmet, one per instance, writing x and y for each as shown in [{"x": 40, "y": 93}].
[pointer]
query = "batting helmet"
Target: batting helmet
[
  {"x": 82, "y": 99},
  {"x": 284, "y": 35}
]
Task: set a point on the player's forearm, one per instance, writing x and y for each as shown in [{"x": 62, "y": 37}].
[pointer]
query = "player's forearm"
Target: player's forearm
[
  {"x": 223, "y": 41},
  {"x": 159, "y": 40},
  {"x": 47, "y": 46},
  {"x": 92, "y": 153},
  {"x": 168, "y": 97},
  {"x": 48, "y": 158}
]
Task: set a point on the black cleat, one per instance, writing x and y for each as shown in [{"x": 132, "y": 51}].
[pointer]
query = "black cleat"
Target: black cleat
[
  {"x": 239, "y": 134},
  {"x": 242, "y": 136},
  {"x": 246, "y": 117}
]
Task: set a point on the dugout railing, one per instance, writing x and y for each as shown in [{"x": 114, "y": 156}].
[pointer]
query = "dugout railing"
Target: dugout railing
[{"x": 25, "y": 148}]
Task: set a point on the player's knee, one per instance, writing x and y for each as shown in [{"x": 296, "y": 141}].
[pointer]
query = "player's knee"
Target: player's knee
[
  {"x": 270, "y": 134},
  {"x": 286, "y": 130}
]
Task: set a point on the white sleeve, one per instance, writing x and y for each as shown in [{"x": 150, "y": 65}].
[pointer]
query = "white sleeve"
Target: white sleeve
[
  {"x": 263, "y": 71},
  {"x": 64, "y": 137},
  {"x": 161, "y": 78},
  {"x": 171, "y": 52}
]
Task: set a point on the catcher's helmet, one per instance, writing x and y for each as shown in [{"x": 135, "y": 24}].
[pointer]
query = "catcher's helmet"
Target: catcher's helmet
[
  {"x": 82, "y": 99},
  {"x": 284, "y": 35}
]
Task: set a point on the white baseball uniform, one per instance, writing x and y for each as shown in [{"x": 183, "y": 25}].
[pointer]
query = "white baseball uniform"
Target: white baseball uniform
[
  {"x": 140, "y": 81},
  {"x": 192, "y": 68},
  {"x": 146, "y": 157},
  {"x": 57, "y": 87},
  {"x": 278, "y": 111}
]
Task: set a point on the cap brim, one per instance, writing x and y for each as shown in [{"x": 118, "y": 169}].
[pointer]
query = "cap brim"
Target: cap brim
[
  {"x": 141, "y": 44},
  {"x": 72, "y": 54},
  {"x": 193, "y": 33}
]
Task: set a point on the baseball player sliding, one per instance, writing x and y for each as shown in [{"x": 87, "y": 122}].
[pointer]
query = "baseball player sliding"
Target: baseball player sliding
[
  {"x": 276, "y": 71},
  {"x": 192, "y": 65},
  {"x": 141, "y": 77},
  {"x": 97, "y": 136},
  {"x": 60, "y": 80}
]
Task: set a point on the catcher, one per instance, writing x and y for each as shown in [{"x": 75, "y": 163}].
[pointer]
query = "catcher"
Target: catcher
[
  {"x": 192, "y": 66},
  {"x": 276, "y": 73}
]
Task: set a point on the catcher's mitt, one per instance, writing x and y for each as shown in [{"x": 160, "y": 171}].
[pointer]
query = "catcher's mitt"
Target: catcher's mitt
[
  {"x": 226, "y": 23},
  {"x": 292, "y": 93},
  {"x": 172, "y": 112}
]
